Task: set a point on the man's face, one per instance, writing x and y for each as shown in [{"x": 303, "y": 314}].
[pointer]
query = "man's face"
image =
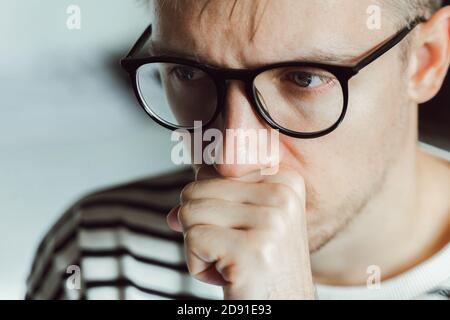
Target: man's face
[{"x": 345, "y": 170}]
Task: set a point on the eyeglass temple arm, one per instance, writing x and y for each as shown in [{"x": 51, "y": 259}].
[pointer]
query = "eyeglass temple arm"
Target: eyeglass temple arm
[
  {"x": 140, "y": 42},
  {"x": 386, "y": 46}
]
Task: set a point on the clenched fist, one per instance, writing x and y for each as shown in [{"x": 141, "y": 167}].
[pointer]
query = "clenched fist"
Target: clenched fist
[{"x": 247, "y": 235}]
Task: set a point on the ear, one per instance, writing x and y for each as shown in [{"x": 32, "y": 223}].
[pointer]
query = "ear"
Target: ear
[{"x": 430, "y": 57}]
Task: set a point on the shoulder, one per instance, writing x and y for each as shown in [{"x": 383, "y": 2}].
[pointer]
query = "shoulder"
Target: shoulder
[{"x": 106, "y": 221}]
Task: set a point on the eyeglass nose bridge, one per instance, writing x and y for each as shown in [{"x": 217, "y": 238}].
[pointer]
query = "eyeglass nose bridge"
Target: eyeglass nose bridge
[
  {"x": 226, "y": 75},
  {"x": 247, "y": 77}
]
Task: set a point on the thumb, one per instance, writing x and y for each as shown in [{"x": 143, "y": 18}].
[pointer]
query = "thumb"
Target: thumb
[{"x": 290, "y": 178}]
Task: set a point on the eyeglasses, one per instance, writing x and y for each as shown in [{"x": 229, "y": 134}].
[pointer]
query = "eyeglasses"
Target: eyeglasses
[{"x": 300, "y": 99}]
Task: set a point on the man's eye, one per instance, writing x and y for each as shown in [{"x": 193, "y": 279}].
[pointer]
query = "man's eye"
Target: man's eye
[
  {"x": 187, "y": 74},
  {"x": 307, "y": 80}
]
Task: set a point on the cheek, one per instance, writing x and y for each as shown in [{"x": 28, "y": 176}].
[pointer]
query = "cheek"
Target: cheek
[
  {"x": 379, "y": 119},
  {"x": 377, "y": 105},
  {"x": 324, "y": 166}
]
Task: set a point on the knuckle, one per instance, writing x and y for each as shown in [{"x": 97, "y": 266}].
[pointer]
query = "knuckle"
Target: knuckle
[
  {"x": 190, "y": 209},
  {"x": 188, "y": 191},
  {"x": 190, "y": 236},
  {"x": 283, "y": 196},
  {"x": 183, "y": 212}
]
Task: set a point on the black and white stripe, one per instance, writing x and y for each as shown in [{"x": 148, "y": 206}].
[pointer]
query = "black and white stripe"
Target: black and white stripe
[{"x": 111, "y": 232}]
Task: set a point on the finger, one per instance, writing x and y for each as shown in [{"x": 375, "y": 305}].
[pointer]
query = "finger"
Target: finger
[
  {"x": 172, "y": 220},
  {"x": 285, "y": 175},
  {"x": 224, "y": 213},
  {"x": 232, "y": 190},
  {"x": 208, "y": 245},
  {"x": 209, "y": 172}
]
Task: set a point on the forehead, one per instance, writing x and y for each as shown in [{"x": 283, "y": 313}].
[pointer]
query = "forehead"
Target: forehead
[{"x": 246, "y": 33}]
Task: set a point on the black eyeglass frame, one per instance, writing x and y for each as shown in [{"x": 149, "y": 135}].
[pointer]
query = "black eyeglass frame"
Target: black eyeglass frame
[{"x": 220, "y": 75}]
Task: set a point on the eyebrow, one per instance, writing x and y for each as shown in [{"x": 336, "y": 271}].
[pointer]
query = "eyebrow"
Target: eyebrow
[
  {"x": 156, "y": 49},
  {"x": 316, "y": 55}
]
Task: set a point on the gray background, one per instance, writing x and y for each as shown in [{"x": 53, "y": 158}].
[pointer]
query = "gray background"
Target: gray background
[{"x": 68, "y": 123}]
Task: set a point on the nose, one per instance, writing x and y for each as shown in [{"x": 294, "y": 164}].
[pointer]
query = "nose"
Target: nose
[{"x": 247, "y": 139}]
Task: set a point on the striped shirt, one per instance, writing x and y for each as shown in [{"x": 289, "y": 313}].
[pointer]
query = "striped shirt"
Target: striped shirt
[{"x": 117, "y": 242}]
